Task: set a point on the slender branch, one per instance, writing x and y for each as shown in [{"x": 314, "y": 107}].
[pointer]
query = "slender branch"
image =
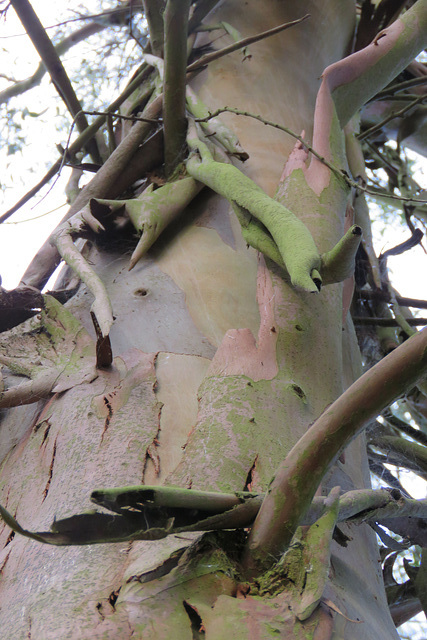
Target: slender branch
[
  {"x": 298, "y": 477},
  {"x": 383, "y": 295},
  {"x": 69, "y": 41},
  {"x": 400, "y": 86},
  {"x": 175, "y": 44},
  {"x": 153, "y": 10},
  {"x": 102, "y": 184},
  {"x": 215, "y": 55},
  {"x": 389, "y": 322},
  {"x": 53, "y": 64},
  {"x": 62, "y": 239},
  {"x": 394, "y": 114}
]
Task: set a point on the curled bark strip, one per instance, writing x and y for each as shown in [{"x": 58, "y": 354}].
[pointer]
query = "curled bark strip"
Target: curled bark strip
[
  {"x": 152, "y": 213},
  {"x": 152, "y": 512},
  {"x": 62, "y": 239},
  {"x": 293, "y": 239}
]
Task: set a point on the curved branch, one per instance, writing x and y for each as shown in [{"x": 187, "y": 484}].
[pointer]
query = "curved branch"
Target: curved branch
[
  {"x": 298, "y": 477},
  {"x": 62, "y": 239}
]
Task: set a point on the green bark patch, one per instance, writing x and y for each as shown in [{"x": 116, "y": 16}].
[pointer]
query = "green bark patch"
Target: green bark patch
[
  {"x": 241, "y": 423},
  {"x": 55, "y": 352}
]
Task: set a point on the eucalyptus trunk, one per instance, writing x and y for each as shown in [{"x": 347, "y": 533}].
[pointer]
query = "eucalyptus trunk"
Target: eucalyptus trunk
[{"x": 220, "y": 366}]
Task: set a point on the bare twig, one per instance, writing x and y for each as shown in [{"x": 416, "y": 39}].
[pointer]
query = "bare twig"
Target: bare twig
[
  {"x": 336, "y": 170},
  {"x": 383, "y": 295},
  {"x": 399, "y": 86},
  {"x": 389, "y": 322},
  {"x": 102, "y": 184},
  {"x": 69, "y": 41},
  {"x": 210, "y": 57},
  {"x": 394, "y": 114}
]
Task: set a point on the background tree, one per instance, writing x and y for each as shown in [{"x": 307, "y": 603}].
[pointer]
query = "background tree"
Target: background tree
[{"x": 224, "y": 361}]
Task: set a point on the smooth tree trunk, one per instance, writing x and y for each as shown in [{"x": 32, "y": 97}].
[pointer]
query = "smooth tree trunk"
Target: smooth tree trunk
[{"x": 220, "y": 365}]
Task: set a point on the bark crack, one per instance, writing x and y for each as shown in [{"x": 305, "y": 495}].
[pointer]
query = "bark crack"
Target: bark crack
[
  {"x": 197, "y": 627},
  {"x": 250, "y": 477},
  {"x": 49, "y": 479},
  {"x": 4, "y": 563},
  {"x": 108, "y": 416}
]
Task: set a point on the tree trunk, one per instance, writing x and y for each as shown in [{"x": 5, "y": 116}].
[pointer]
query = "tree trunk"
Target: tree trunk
[{"x": 220, "y": 365}]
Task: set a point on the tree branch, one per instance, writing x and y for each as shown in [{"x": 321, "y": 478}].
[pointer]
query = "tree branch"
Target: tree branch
[
  {"x": 69, "y": 41},
  {"x": 298, "y": 477},
  {"x": 357, "y": 78},
  {"x": 175, "y": 44},
  {"x": 215, "y": 55},
  {"x": 153, "y": 10},
  {"x": 53, "y": 64}
]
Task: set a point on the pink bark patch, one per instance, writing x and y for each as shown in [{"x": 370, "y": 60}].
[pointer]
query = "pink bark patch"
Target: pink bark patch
[{"x": 238, "y": 353}]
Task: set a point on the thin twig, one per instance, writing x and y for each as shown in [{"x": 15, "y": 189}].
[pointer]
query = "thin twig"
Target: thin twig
[
  {"x": 394, "y": 114},
  {"x": 400, "y": 86},
  {"x": 110, "y": 115},
  {"x": 21, "y": 86},
  {"x": 210, "y": 57},
  {"x": 382, "y": 295},
  {"x": 102, "y": 184},
  {"x": 338, "y": 172},
  {"x": 389, "y": 322},
  {"x": 81, "y": 140}
]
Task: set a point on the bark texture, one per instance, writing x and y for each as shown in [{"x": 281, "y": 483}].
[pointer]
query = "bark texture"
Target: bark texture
[{"x": 220, "y": 366}]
